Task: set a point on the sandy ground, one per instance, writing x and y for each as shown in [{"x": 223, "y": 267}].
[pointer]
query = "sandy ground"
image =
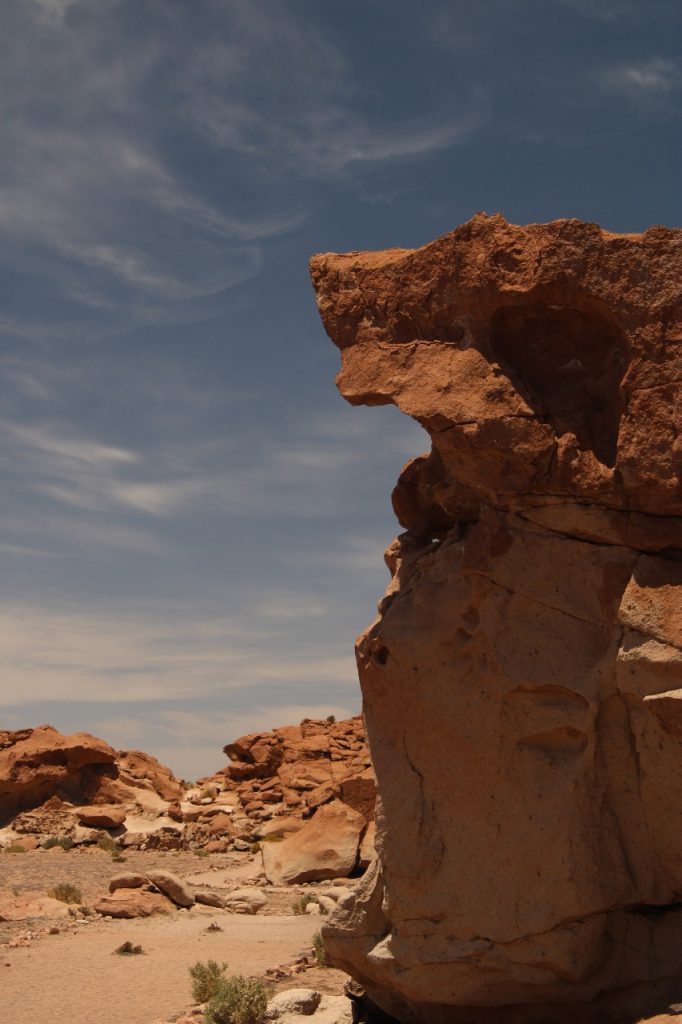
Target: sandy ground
[{"x": 78, "y": 978}]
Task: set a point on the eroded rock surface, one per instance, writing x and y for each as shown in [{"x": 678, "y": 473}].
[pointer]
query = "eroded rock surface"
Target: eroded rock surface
[{"x": 522, "y": 683}]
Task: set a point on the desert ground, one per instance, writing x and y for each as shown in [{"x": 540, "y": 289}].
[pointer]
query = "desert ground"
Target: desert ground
[{"x": 59, "y": 968}]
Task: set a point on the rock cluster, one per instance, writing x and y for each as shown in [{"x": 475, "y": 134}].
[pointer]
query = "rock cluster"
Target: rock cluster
[
  {"x": 78, "y": 787},
  {"x": 522, "y": 681}
]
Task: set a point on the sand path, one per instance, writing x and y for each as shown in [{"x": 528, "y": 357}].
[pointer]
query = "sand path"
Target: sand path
[{"x": 74, "y": 977}]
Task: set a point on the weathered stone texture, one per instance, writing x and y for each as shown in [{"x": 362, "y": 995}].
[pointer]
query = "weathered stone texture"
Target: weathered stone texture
[{"x": 522, "y": 684}]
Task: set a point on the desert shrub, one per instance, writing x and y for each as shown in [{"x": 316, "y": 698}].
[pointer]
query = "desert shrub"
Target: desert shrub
[
  {"x": 106, "y": 843},
  {"x": 254, "y": 848},
  {"x": 272, "y": 839},
  {"x": 238, "y": 1000},
  {"x": 214, "y": 927},
  {"x": 200, "y": 853},
  {"x": 118, "y": 857},
  {"x": 205, "y": 979},
  {"x": 66, "y": 892},
  {"x": 209, "y": 793},
  {"x": 319, "y": 952},
  {"x": 299, "y": 905},
  {"x": 15, "y": 848},
  {"x": 331, "y": 719},
  {"x": 128, "y": 949},
  {"x": 66, "y": 842}
]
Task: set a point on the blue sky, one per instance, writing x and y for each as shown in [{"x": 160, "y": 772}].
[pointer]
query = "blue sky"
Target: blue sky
[{"x": 192, "y": 519}]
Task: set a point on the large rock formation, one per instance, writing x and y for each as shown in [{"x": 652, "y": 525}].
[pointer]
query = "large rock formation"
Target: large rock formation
[
  {"x": 523, "y": 682},
  {"x": 42, "y": 766}
]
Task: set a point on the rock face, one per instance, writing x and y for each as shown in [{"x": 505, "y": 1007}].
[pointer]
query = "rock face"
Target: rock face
[
  {"x": 36, "y": 764},
  {"x": 522, "y": 684},
  {"x": 49, "y": 782}
]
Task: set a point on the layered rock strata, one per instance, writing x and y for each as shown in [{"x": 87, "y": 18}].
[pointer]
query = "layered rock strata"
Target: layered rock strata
[{"x": 522, "y": 683}]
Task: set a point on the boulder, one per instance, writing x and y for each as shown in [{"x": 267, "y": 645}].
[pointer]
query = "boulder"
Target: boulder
[
  {"x": 303, "y": 1001},
  {"x": 131, "y": 903},
  {"x": 248, "y": 900},
  {"x": 101, "y": 816},
  {"x": 522, "y": 681},
  {"x": 170, "y": 885},
  {"x": 209, "y": 899},
  {"x": 24, "y": 905},
  {"x": 326, "y": 847},
  {"x": 128, "y": 880}
]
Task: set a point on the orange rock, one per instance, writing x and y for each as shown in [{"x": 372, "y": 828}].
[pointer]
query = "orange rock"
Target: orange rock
[
  {"x": 131, "y": 903},
  {"x": 326, "y": 847},
  {"x": 523, "y": 679}
]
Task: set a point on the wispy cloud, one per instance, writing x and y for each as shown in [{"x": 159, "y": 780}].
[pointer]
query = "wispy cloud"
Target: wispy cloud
[
  {"x": 149, "y": 654},
  {"x": 649, "y": 79}
]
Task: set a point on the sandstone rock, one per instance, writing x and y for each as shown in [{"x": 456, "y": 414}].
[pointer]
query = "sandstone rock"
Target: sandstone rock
[
  {"x": 326, "y": 847},
  {"x": 209, "y": 899},
  {"x": 132, "y": 903},
  {"x": 101, "y": 816},
  {"x": 282, "y": 826},
  {"x": 170, "y": 885},
  {"x": 367, "y": 848},
  {"x": 19, "y": 906},
  {"x": 36, "y": 764},
  {"x": 128, "y": 880},
  {"x": 140, "y": 770},
  {"x": 302, "y": 1001},
  {"x": 522, "y": 682},
  {"x": 249, "y": 899}
]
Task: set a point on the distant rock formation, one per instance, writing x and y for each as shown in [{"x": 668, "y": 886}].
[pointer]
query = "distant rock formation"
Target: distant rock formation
[
  {"x": 522, "y": 684},
  {"x": 77, "y": 786}
]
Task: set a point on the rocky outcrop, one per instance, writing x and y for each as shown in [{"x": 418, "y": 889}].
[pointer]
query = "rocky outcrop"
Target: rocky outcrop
[
  {"x": 36, "y": 764},
  {"x": 55, "y": 785},
  {"x": 522, "y": 683},
  {"x": 49, "y": 782},
  {"x": 297, "y": 768}
]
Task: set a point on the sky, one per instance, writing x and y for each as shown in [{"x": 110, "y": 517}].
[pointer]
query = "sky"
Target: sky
[{"x": 192, "y": 520}]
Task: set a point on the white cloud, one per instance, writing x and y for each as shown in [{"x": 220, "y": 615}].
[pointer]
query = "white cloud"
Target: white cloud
[
  {"x": 146, "y": 654},
  {"x": 649, "y": 80}
]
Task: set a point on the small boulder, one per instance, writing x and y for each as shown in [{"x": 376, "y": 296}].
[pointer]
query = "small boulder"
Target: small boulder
[
  {"x": 131, "y": 903},
  {"x": 171, "y": 886},
  {"x": 303, "y": 1001},
  {"x": 128, "y": 880},
  {"x": 209, "y": 899},
  {"x": 101, "y": 816},
  {"x": 246, "y": 901}
]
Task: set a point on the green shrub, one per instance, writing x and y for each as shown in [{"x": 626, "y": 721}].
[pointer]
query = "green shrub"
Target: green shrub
[
  {"x": 299, "y": 906},
  {"x": 66, "y": 842},
  {"x": 15, "y": 848},
  {"x": 208, "y": 794},
  {"x": 205, "y": 979},
  {"x": 118, "y": 857},
  {"x": 128, "y": 949},
  {"x": 66, "y": 892},
  {"x": 106, "y": 843},
  {"x": 200, "y": 853},
  {"x": 272, "y": 839},
  {"x": 238, "y": 1000},
  {"x": 319, "y": 952}
]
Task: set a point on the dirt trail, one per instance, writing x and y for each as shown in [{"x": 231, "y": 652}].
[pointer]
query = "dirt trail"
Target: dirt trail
[{"x": 75, "y": 978}]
